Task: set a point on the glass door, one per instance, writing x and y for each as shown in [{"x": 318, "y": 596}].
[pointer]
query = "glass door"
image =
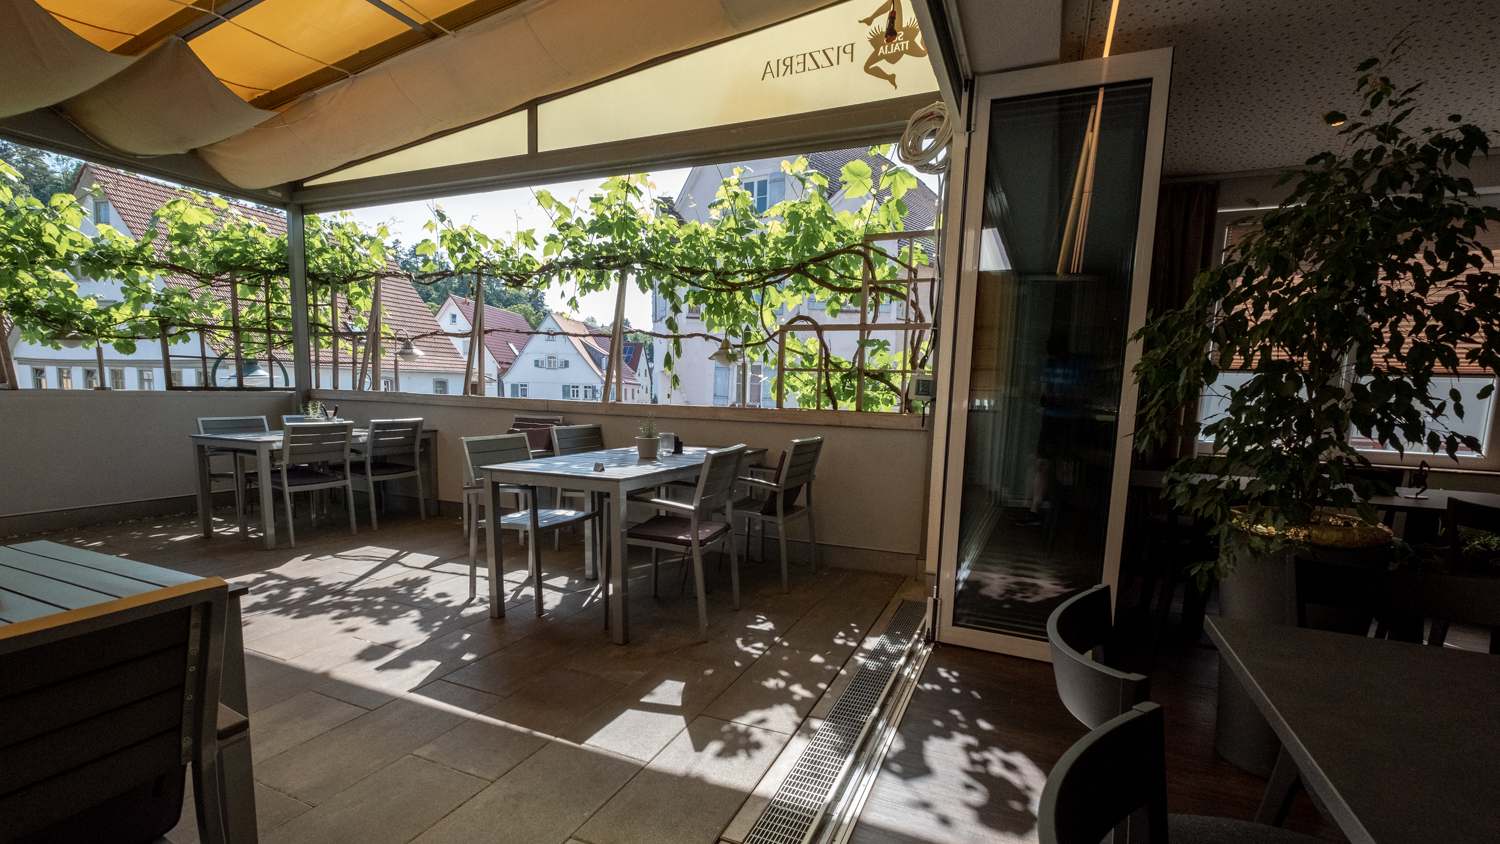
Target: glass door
[{"x": 1063, "y": 168}]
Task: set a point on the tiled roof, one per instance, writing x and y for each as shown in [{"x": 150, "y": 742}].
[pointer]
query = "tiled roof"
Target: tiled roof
[
  {"x": 504, "y": 344},
  {"x": 921, "y": 202},
  {"x": 136, "y": 200},
  {"x": 594, "y": 346}
]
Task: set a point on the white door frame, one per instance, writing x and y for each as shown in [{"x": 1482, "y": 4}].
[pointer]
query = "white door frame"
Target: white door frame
[{"x": 954, "y": 355}]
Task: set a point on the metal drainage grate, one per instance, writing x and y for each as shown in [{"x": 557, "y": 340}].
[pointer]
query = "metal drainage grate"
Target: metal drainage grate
[{"x": 804, "y": 794}]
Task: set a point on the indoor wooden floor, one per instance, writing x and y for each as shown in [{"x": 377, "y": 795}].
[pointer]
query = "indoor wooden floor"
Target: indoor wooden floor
[{"x": 983, "y": 730}]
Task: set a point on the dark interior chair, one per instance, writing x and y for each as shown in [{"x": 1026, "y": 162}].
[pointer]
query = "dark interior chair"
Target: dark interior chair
[
  {"x": 1118, "y": 773},
  {"x": 1392, "y": 596},
  {"x": 1089, "y": 688},
  {"x": 102, "y": 711},
  {"x": 1461, "y": 518}
]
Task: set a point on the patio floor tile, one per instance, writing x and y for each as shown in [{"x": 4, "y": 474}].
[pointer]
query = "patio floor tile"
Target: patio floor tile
[
  {"x": 645, "y": 717},
  {"x": 390, "y": 807},
  {"x": 778, "y": 691},
  {"x": 691, "y": 790},
  {"x": 295, "y": 720},
  {"x": 541, "y": 801}
]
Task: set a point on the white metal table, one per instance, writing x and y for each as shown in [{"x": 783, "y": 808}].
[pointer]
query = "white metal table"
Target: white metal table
[
  {"x": 623, "y": 472},
  {"x": 263, "y": 445}
]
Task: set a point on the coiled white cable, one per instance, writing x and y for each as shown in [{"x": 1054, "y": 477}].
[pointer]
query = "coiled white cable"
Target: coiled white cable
[{"x": 924, "y": 144}]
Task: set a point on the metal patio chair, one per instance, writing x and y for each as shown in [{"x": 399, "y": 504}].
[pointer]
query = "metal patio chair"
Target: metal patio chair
[
  {"x": 315, "y": 456},
  {"x": 391, "y": 438},
  {"x": 794, "y": 478},
  {"x": 106, "y": 707},
  {"x": 509, "y": 448},
  {"x": 690, "y": 529},
  {"x": 243, "y": 478}
]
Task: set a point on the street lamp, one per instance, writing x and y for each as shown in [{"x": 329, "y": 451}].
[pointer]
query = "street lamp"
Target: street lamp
[{"x": 408, "y": 352}]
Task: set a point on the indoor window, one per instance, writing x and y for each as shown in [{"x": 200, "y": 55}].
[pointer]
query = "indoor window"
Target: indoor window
[
  {"x": 440, "y": 387},
  {"x": 65, "y": 378},
  {"x": 146, "y": 379}
]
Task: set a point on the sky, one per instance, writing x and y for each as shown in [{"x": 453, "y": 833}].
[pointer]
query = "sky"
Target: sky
[{"x": 503, "y": 211}]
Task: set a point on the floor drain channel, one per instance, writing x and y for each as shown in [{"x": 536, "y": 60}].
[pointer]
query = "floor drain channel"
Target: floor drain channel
[{"x": 817, "y": 779}]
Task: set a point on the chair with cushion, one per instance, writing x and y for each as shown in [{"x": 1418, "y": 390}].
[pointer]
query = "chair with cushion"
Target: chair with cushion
[
  {"x": 691, "y": 528},
  {"x": 400, "y": 439},
  {"x": 1090, "y": 689},
  {"x": 104, "y": 709},
  {"x": 243, "y": 478},
  {"x": 315, "y": 456},
  {"x": 509, "y": 448},
  {"x": 1118, "y": 774},
  {"x": 794, "y": 478}
]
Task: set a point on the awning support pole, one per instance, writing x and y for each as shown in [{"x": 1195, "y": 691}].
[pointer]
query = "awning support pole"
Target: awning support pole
[{"x": 296, "y": 253}]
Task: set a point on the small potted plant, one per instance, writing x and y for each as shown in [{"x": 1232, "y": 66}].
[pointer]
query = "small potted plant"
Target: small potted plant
[{"x": 647, "y": 443}]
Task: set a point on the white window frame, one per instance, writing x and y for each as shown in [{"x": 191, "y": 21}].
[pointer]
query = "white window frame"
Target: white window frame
[
  {"x": 90, "y": 378},
  {"x": 440, "y": 386},
  {"x": 117, "y": 379},
  {"x": 65, "y": 378},
  {"x": 145, "y": 379},
  {"x": 39, "y": 378}
]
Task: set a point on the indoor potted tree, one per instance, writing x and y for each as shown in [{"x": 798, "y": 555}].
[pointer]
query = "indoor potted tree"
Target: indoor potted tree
[
  {"x": 1347, "y": 307},
  {"x": 1344, "y": 310}
]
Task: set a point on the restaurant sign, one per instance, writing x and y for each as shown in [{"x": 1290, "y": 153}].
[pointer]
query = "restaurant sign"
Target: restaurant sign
[{"x": 895, "y": 39}]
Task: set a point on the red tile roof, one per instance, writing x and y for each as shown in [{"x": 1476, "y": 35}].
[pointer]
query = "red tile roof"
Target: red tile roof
[
  {"x": 136, "y": 199},
  {"x": 513, "y": 331},
  {"x": 593, "y": 345}
]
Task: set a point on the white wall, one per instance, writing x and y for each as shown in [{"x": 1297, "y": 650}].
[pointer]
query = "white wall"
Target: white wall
[
  {"x": 65, "y": 450},
  {"x": 871, "y": 478}
]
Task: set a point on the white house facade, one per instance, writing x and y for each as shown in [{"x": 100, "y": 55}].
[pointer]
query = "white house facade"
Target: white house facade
[{"x": 568, "y": 366}]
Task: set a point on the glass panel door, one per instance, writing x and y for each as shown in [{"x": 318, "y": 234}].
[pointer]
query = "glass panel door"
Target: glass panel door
[{"x": 1037, "y": 445}]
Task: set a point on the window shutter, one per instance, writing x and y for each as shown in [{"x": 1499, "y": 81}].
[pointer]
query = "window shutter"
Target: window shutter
[
  {"x": 567, "y": 391},
  {"x": 777, "y": 189},
  {"x": 537, "y": 362},
  {"x": 564, "y": 363}
]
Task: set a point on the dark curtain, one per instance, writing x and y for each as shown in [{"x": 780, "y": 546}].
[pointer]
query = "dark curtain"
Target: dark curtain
[{"x": 1184, "y": 245}]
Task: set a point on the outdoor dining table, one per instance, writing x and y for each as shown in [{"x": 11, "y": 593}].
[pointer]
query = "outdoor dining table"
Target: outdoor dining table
[
  {"x": 1397, "y": 740},
  {"x": 38, "y": 579},
  {"x": 263, "y": 445},
  {"x": 621, "y": 472}
]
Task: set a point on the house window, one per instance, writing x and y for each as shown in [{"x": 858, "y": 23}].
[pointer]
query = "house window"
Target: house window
[
  {"x": 551, "y": 361},
  {"x": 518, "y": 391},
  {"x": 386, "y": 385},
  {"x": 453, "y": 319},
  {"x": 572, "y": 391},
  {"x": 65, "y": 378},
  {"x": 759, "y": 190},
  {"x": 695, "y": 311},
  {"x": 550, "y": 337},
  {"x": 103, "y": 213},
  {"x": 146, "y": 379},
  {"x": 721, "y": 385},
  {"x": 39, "y": 378},
  {"x": 563, "y": 364},
  {"x": 440, "y": 387},
  {"x": 176, "y": 376},
  {"x": 117, "y": 379},
  {"x": 90, "y": 379}
]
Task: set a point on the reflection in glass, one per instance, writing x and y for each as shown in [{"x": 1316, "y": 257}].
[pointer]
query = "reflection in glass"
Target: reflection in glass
[{"x": 1057, "y": 247}]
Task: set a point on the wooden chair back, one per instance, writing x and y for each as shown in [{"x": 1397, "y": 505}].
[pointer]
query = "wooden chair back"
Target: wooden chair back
[
  {"x": 1111, "y": 773},
  {"x": 721, "y": 469},
  {"x": 1090, "y": 689},
  {"x": 316, "y": 442},
  {"x": 395, "y": 438},
  {"x": 576, "y": 439},
  {"x": 97, "y": 701},
  {"x": 487, "y": 451},
  {"x": 232, "y": 425},
  {"x": 1402, "y": 593}
]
